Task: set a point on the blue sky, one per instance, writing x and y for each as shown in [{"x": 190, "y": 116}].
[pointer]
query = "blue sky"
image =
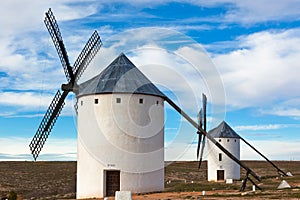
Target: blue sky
[{"x": 253, "y": 48}]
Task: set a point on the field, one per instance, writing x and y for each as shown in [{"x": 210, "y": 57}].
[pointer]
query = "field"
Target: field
[{"x": 183, "y": 180}]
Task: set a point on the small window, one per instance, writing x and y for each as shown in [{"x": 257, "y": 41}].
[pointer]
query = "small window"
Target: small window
[
  {"x": 96, "y": 101},
  {"x": 234, "y": 140},
  {"x": 118, "y": 100},
  {"x": 157, "y": 102},
  {"x": 220, "y": 140},
  {"x": 81, "y": 103},
  {"x": 220, "y": 157},
  {"x": 141, "y": 101},
  {"x": 227, "y": 140}
]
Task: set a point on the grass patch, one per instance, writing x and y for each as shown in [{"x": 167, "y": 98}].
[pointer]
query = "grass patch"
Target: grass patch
[
  {"x": 57, "y": 180},
  {"x": 198, "y": 187}
]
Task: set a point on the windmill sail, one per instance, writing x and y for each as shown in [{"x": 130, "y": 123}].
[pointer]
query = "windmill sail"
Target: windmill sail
[
  {"x": 47, "y": 123},
  {"x": 72, "y": 75},
  {"x": 204, "y": 101},
  {"x": 87, "y": 54},
  {"x": 199, "y": 133},
  {"x": 55, "y": 34}
]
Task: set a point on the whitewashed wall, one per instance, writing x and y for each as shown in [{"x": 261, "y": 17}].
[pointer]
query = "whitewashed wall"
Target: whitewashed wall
[
  {"x": 126, "y": 136},
  {"x": 231, "y": 168}
]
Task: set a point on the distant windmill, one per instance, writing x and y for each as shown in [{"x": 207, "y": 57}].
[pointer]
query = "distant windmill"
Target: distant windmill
[
  {"x": 224, "y": 131},
  {"x": 219, "y": 166},
  {"x": 231, "y": 140},
  {"x": 115, "y": 158}
]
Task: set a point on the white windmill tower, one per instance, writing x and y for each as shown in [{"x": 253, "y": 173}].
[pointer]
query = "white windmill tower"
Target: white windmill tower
[
  {"x": 120, "y": 133},
  {"x": 220, "y": 166}
]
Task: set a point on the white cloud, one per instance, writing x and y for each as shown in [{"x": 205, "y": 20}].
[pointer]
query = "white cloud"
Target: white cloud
[
  {"x": 240, "y": 11},
  {"x": 22, "y": 104},
  {"x": 259, "y": 127},
  {"x": 185, "y": 28},
  {"x": 28, "y": 56},
  {"x": 289, "y": 108},
  {"x": 18, "y": 14},
  {"x": 27, "y": 70},
  {"x": 23, "y": 99},
  {"x": 180, "y": 151},
  {"x": 27, "y": 15},
  {"x": 184, "y": 67},
  {"x": 248, "y": 11},
  {"x": 273, "y": 150},
  {"x": 17, "y": 148},
  {"x": 291, "y": 112},
  {"x": 29, "y": 61},
  {"x": 263, "y": 70}
]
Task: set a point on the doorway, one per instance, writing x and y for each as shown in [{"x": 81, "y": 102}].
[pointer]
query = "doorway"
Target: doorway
[
  {"x": 112, "y": 182},
  {"x": 220, "y": 175}
]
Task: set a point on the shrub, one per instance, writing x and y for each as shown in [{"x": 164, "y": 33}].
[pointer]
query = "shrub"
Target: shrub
[{"x": 12, "y": 195}]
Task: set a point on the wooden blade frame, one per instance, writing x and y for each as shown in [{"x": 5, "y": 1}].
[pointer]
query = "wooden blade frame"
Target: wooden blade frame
[
  {"x": 47, "y": 123},
  {"x": 199, "y": 116},
  {"x": 87, "y": 54},
  {"x": 204, "y": 103},
  {"x": 55, "y": 34},
  {"x": 72, "y": 74}
]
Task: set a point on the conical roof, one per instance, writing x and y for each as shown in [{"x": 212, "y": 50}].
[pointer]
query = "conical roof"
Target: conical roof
[
  {"x": 121, "y": 76},
  {"x": 283, "y": 185},
  {"x": 223, "y": 130}
]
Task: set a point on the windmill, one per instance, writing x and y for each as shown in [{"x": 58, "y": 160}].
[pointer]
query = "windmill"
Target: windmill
[
  {"x": 111, "y": 82},
  {"x": 120, "y": 82},
  {"x": 73, "y": 74},
  {"x": 231, "y": 140},
  {"x": 215, "y": 142},
  {"x": 220, "y": 167},
  {"x": 201, "y": 138}
]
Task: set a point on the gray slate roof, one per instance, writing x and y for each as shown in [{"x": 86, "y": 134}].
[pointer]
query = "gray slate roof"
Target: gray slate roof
[
  {"x": 121, "y": 76},
  {"x": 223, "y": 130}
]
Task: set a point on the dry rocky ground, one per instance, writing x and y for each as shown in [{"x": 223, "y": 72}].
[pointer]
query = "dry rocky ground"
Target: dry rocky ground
[{"x": 57, "y": 180}]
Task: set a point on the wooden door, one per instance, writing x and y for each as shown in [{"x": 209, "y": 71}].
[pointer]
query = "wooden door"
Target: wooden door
[
  {"x": 220, "y": 175},
  {"x": 112, "y": 182}
]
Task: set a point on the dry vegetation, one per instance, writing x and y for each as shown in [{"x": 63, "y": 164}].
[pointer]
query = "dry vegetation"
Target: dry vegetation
[
  {"x": 185, "y": 178},
  {"x": 41, "y": 180},
  {"x": 56, "y": 180}
]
